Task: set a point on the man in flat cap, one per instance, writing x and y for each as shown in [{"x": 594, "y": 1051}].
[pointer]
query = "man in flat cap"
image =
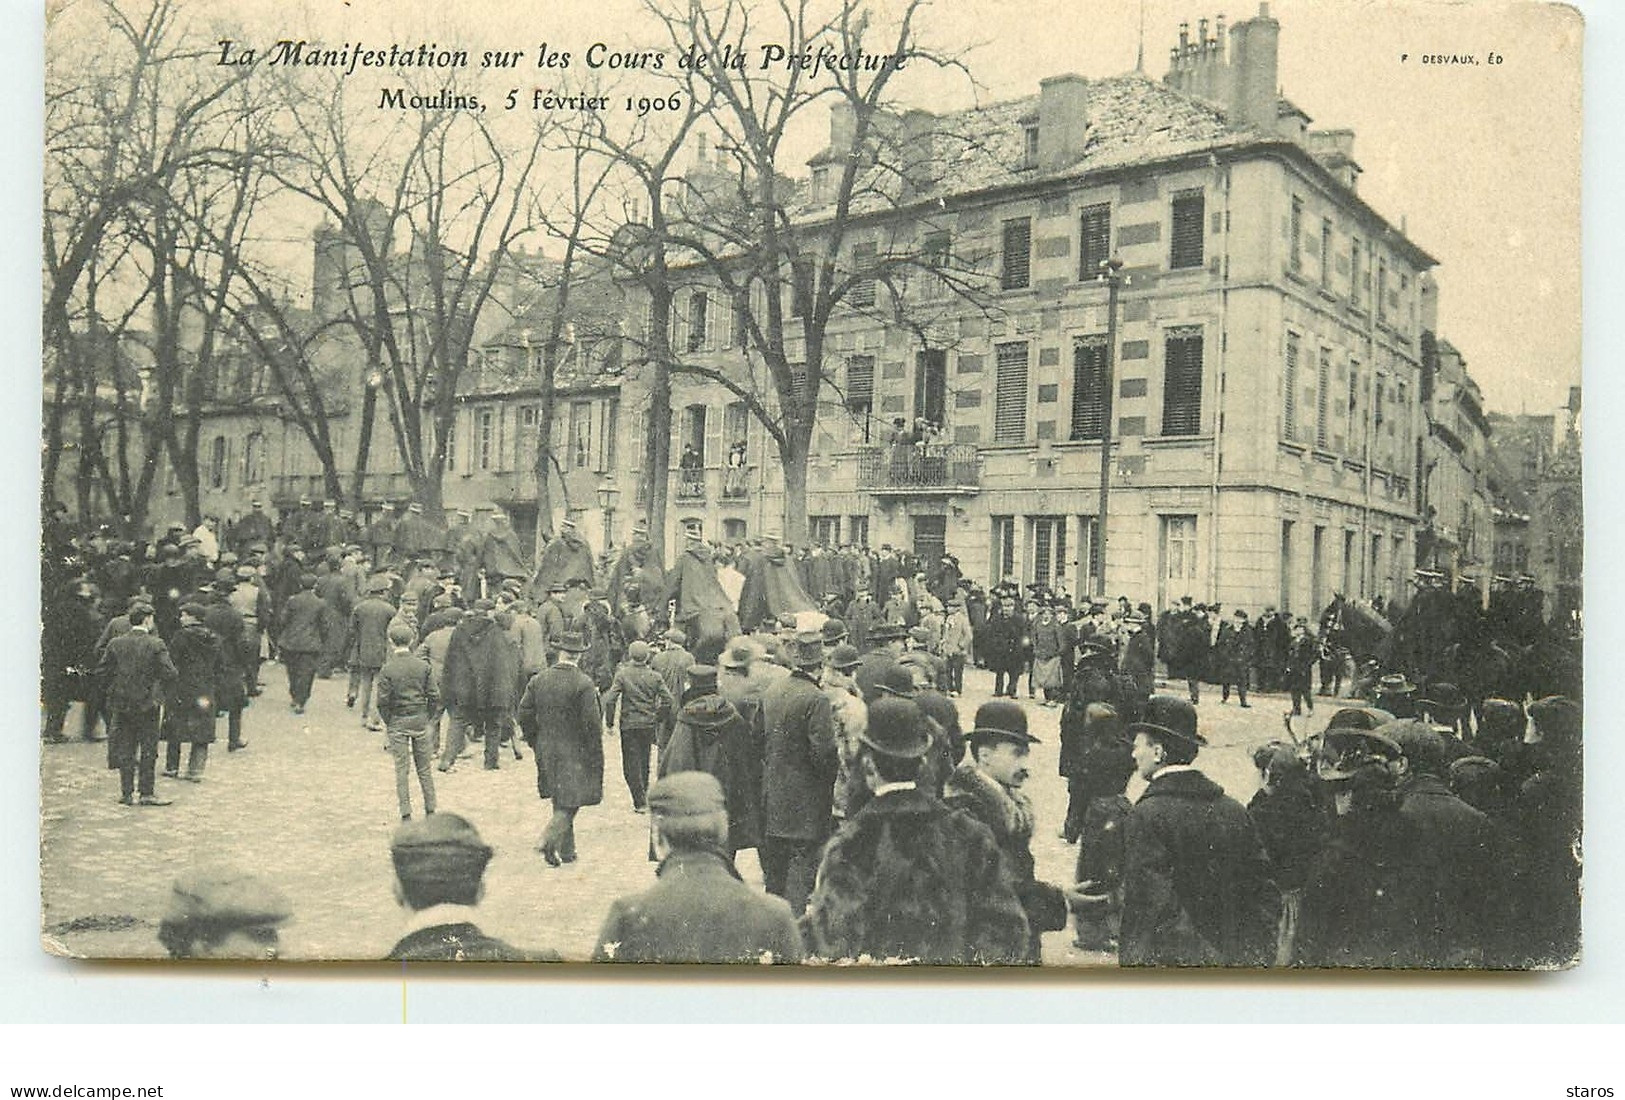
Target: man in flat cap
[
  {"x": 987, "y": 786},
  {"x": 907, "y": 879},
  {"x": 135, "y": 673},
  {"x": 1196, "y": 882},
  {"x": 699, "y": 911},
  {"x": 479, "y": 680},
  {"x": 563, "y": 722},
  {"x": 440, "y": 865},
  {"x": 221, "y": 913},
  {"x": 799, "y": 777},
  {"x": 369, "y": 645}
]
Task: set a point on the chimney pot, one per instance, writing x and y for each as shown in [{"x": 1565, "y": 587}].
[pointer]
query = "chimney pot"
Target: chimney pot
[{"x": 1063, "y": 119}]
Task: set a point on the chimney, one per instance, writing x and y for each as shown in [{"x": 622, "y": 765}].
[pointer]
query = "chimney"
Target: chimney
[
  {"x": 1335, "y": 151},
  {"x": 843, "y": 129},
  {"x": 1429, "y": 295},
  {"x": 918, "y": 140},
  {"x": 1254, "y": 72},
  {"x": 1063, "y": 119}
]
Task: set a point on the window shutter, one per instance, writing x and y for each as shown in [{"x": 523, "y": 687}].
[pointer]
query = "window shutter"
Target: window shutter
[
  {"x": 708, "y": 315},
  {"x": 1182, "y": 382},
  {"x": 860, "y": 382},
  {"x": 1095, "y": 241},
  {"x": 1323, "y": 387},
  {"x": 1188, "y": 217},
  {"x": 1289, "y": 384},
  {"x": 1088, "y": 387},
  {"x": 715, "y": 448},
  {"x": 1018, "y": 239},
  {"x": 1010, "y": 403},
  {"x": 862, "y": 294}
]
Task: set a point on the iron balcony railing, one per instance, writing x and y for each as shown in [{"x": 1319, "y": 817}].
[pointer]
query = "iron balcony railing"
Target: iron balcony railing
[{"x": 920, "y": 467}]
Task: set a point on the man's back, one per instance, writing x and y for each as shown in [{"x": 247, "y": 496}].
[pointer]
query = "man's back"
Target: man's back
[
  {"x": 460, "y": 942},
  {"x": 699, "y": 912},
  {"x": 907, "y": 878},
  {"x": 1197, "y": 885}
]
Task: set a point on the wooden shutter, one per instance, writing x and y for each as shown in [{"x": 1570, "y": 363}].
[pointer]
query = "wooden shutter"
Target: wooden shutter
[
  {"x": 1088, "y": 387},
  {"x": 1095, "y": 240},
  {"x": 1010, "y": 399},
  {"x": 1018, "y": 245},
  {"x": 1182, "y": 382},
  {"x": 862, "y": 294},
  {"x": 860, "y": 382},
  {"x": 716, "y": 449},
  {"x": 1323, "y": 389},
  {"x": 1289, "y": 388},
  {"x": 1188, "y": 229}
]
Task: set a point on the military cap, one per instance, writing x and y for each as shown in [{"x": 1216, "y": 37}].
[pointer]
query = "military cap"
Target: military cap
[
  {"x": 1346, "y": 752},
  {"x": 1000, "y": 720},
  {"x": 704, "y": 676},
  {"x": 194, "y": 609},
  {"x": 687, "y": 794},
  {"x": 807, "y": 649},
  {"x": 1168, "y": 716},
  {"x": 834, "y": 631},
  {"x": 485, "y": 605},
  {"x": 638, "y": 652},
  {"x": 511, "y": 584},
  {"x": 440, "y": 846},
  {"x": 257, "y": 504},
  {"x": 571, "y": 641},
  {"x": 226, "y": 898},
  {"x": 577, "y": 582},
  {"x": 896, "y": 728},
  {"x": 844, "y": 657},
  {"x": 886, "y": 632},
  {"x": 675, "y": 636}
]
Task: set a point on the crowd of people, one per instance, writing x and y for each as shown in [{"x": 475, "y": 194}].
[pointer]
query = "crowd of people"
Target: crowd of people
[{"x": 802, "y": 704}]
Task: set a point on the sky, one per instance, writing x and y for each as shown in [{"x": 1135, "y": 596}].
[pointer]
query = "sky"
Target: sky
[{"x": 1480, "y": 163}]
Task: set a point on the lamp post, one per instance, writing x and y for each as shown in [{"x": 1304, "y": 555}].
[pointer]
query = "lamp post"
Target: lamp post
[
  {"x": 1111, "y": 274},
  {"x": 606, "y": 503}
]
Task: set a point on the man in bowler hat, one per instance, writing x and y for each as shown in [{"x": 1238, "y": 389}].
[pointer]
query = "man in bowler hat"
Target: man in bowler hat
[{"x": 1197, "y": 889}]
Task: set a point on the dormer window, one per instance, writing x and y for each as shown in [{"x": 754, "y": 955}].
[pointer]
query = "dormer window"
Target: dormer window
[
  {"x": 1030, "y": 146},
  {"x": 820, "y": 185}
]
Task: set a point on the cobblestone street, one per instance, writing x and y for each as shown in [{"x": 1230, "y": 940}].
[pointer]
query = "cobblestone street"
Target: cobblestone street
[{"x": 311, "y": 805}]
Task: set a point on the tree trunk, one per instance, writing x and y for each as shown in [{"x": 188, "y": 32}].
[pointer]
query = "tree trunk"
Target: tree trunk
[
  {"x": 657, "y": 447},
  {"x": 794, "y": 453},
  {"x": 363, "y": 444}
]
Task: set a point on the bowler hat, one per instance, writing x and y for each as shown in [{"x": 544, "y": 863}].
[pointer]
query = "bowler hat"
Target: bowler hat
[
  {"x": 1168, "y": 716},
  {"x": 675, "y": 636},
  {"x": 896, "y": 728},
  {"x": 843, "y": 657},
  {"x": 1395, "y": 684},
  {"x": 571, "y": 641},
  {"x": 687, "y": 794},
  {"x": 896, "y": 681},
  {"x": 1359, "y": 718},
  {"x": 886, "y": 632},
  {"x": 638, "y": 651},
  {"x": 1001, "y": 720},
  {"x": 1556, "y": 716},
  {"x": 834, "y": 631},
  {"x": 701, "y": 676}
]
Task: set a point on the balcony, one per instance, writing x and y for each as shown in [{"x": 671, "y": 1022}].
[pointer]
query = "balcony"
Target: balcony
[
  {"x": 691, "y": 485},
  {"x": 912, "y": 468}
]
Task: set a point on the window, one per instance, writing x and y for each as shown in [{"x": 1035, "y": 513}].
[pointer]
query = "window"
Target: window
[
  {"x": 1010, "y": 398},
  {"x": 1094, "y": 240},
  {"x": 1289, "y": 390},
  {"x": 451, "y": 445},
  {"x": 1182, "y": 382},
  {"x": 934, "y": 256},
  {"x": 1350, "y": 581},
  {"x": 1187, "y": 233},
  {"x": 820, "y": 185},
  {"x": 931, "y": 386},
  {"x": 1029, "y": 147},
  {"x": 485, "y": 434},
  {"x": 1382, "y": 290},
  {"x": 1317, "y": 569},
  {"x": 1356, "y": 272},
  {"x": 860, "y": 391},
  {"x": 1178, "y": 553},
  {"x": 857, "y": 531},
  {"x": 862, "y": 294},
  {"x": 1049, "y": 549},
  {"x": 1018, "y": 245},
  {"x": 254, "y": 459},
  {"x": 699, "y": 320},
  {"x": 692, "y": 451},
  {"x": 217, "y": 462},
  {"x": 1088, "y": 387},
  {"x": 580, "y": 434},
  {"x": 825, "y": 530},
  {"x": 733, "y": 530},
  {"x": 1004, "y": 548},
  {"x": 930, "y": 537},
  {"x": 741, "y": 325},
  {"x": 1326, "y": 252},
  {"x": 1295, "y": 240},
  {"x": 1323, "y": 389},
  {"x": 735, "y": 436}
]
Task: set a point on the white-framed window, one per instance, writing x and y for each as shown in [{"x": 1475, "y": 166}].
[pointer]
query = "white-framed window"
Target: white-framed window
[{"x": 485, "y": 439}]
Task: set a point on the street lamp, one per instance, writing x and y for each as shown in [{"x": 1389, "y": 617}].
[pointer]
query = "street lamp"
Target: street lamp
[
  {"x": 606, "y": 503},
  {"x": 1111, "y": 274}
]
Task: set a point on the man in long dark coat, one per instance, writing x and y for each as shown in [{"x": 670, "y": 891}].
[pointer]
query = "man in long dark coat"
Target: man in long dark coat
[
  {"x": 189, "y": 712},
  {"x": 378, "y": 538},
  {"x": 135, "y": 674},
  {"x": 711, "y": 735},
  {"x": 772, "y": 588},
  {"x": 481, "y": 678},
  {"x": 68, "y": 661},
  {"x": 1235, "y": 655},
  {"x": 1197, "y": 889},
  {"x": 799, "y": 778},
  {"x": 415, "y": 536},
  {"x": 252, "y": 528},
  {"x": 563, "y": 723},
  {"x": 704, "y": 611},
  {"x": 501, "y": 556},
  {"x": 241, "y": 657},
  {"x": 637, "y": 568}
]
